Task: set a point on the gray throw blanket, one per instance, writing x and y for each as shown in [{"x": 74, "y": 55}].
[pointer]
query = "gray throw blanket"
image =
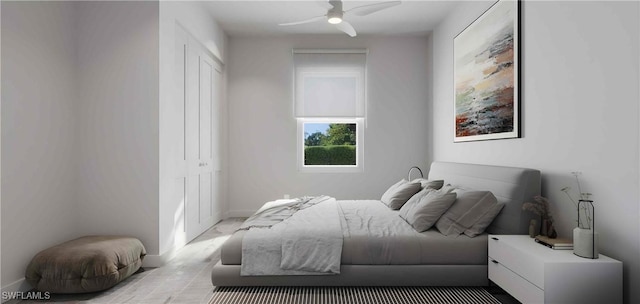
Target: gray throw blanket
[
  {"x": 295, "y": 237},
  {"x": 277, "y": 211}
]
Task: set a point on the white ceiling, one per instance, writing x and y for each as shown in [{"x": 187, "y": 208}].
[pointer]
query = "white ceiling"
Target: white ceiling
[{"x": 246, "y": 18}]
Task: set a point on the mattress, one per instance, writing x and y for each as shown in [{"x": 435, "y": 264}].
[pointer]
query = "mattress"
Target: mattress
[{"x": 375, "y": 235}]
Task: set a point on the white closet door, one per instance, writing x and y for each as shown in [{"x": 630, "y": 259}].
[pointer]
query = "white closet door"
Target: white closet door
[{"x": 201, "y": 100}]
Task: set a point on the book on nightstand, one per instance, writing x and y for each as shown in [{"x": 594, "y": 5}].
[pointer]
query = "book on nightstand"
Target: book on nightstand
[{"x": 557, "y": 244}]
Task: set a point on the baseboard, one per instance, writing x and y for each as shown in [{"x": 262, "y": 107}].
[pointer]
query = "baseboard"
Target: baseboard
[
  {"x": 239, "y": 213},
  {"x": 155, "y": 261},
  {"x": 17, "y": 286}
]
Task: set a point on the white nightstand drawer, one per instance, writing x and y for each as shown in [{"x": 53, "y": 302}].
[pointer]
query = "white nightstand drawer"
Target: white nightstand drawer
[
  {"x": 533, "y": 273},
  {"x": 521, "y": 289},
  {"x": 522, "y": 262}
]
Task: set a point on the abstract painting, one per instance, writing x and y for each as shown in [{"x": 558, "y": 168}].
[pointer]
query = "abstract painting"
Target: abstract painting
[{"x": 486, "y": 75}]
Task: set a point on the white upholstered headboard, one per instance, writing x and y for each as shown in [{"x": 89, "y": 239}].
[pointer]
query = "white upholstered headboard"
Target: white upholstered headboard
[{"x": 512, "y": 186}]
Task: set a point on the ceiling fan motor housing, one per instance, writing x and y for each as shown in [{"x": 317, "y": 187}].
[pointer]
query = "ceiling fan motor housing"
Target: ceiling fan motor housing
[{"x": 334, "y": 15}]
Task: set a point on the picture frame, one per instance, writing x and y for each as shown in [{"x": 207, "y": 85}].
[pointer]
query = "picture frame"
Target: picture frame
[{"x": 487, "y": 75}]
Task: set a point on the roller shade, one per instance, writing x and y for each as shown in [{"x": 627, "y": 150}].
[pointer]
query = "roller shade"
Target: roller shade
[{"x": 329, "y": 83}]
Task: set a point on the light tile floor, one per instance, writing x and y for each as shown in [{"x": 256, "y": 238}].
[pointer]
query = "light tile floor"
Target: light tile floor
[{"x": 185, "y": 279}]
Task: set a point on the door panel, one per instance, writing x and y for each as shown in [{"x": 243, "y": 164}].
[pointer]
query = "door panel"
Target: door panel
[
  {"x": 206, "y": 188},
  {"x": 206, "y": 87},
  {"x": 206, "y": 138},
  {"x": 198, "y": 90}
]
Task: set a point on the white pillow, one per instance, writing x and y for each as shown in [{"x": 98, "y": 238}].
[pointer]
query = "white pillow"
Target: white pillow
[
  {"x": 399, "y": 193},
  {"x": 470, "y": 214},
  {"x": 428, "y": 183},
  {"x": 416, "y": 197},
  {"x": 423, "y": 213}
]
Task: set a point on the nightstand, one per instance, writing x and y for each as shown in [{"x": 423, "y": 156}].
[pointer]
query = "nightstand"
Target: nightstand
[{"x": 533, "y": 273}]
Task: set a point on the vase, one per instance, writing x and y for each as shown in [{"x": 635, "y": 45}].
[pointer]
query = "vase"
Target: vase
[
  {"x": 551, "y": 230},
  {"x": 585, "y": 237},
  {"x": 585, "y": 243},
  {"x": 532, "y": 228},
  {"x": 547, "y": 229},
  {"x": 543, "y": 228}
]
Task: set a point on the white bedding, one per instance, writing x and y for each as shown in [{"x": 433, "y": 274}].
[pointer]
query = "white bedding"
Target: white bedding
[
  {"x": 374, "y": 234},
  {"x": 307, "y": 242},
  {"x": 317, "y": 240},
  {"x": 373, "y": 219}
]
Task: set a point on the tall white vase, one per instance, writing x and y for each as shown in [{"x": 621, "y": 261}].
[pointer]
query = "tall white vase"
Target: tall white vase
[{"x": 585, "y": 243}]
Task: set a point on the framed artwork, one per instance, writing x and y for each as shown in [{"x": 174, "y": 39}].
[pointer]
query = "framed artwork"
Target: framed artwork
[{"x": 486, "y": 75}]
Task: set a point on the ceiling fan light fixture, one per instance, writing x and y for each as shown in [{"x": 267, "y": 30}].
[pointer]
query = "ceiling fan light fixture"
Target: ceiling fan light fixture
[
  {"x": 334, "y": 16},
  {"x": 334, "y": 20}
]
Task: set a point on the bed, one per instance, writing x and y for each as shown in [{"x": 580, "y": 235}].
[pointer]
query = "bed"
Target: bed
[{"x": 408, "y": 258}]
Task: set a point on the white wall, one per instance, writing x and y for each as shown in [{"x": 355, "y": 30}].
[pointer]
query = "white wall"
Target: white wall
[
  {"x": 38, "y": 143},
  {"x": 194, "y": 17},
  {"x": 262, "y": 134},
  {"x": 579, "y": 108},
  {"x": 118, "y": 119},
  {"x": 82, "y": 122}
]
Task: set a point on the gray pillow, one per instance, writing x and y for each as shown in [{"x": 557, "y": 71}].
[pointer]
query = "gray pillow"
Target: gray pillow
[
  {"x": 425, "y": 190},
  {"x": 399, "y": 193},
  {"x": 416, "y": 197},
  {"x": 423, "y": 213},
  {"x": 470, "y": 214},
  {"x": 428, "y": 183}
]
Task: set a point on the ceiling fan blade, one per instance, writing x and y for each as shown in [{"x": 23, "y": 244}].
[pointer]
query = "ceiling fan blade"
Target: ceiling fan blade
[
  {"x": 372, "y": 8},
  {"x": 314, "y": 19},
  {"x": 347, "y": 28}
]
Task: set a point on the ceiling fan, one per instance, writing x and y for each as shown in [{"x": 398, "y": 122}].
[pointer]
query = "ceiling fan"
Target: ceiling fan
[{"x": 335, "y": 14}]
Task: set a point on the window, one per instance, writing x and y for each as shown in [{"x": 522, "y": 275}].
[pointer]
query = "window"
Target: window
[
  {"x": 330, "y": 145},
  {"x": 330, "y": 106}
]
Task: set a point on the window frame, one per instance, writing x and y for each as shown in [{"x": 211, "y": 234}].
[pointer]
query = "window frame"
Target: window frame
[{"x": 359, "y": 167}]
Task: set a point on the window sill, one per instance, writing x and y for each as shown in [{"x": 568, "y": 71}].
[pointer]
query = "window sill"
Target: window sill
[{"x": 330, "y": 169}]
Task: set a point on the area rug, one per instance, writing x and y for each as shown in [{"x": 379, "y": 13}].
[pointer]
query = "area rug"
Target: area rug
[{"x": 352, "y": 295}]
